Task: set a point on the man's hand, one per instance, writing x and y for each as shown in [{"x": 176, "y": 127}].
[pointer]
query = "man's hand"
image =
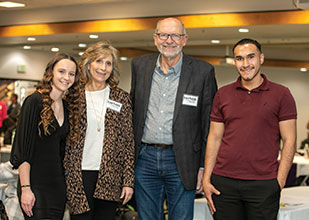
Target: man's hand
[
  {"x": 199, "y": 185},
  {"x": 209, "y": 189},
  {"x": 281, "y": 183}
]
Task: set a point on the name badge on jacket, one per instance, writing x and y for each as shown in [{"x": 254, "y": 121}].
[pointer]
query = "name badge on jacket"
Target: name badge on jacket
[
  {"x": 113, "y": 105},
  {"x": 190, "y": 100}
]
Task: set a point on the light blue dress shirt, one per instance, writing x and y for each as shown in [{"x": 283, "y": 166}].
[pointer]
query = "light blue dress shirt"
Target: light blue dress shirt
[{"x": 160, "y": 113}]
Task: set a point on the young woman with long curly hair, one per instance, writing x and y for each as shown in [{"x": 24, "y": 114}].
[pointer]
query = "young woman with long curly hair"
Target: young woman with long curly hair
[{"x": 46, "y": 117}]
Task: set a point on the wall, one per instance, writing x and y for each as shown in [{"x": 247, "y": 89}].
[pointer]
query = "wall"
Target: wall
[
  {"x": 125, "y": 75},
  {"x": 295, "y": 80},
  {"x": 35, "y": 62}
]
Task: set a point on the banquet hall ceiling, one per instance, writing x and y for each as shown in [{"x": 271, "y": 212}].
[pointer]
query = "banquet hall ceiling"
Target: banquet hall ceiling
[{"x": 282, "y": 39}]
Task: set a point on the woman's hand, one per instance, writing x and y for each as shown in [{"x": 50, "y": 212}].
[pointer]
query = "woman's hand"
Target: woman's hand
[
  {"x": 126, "y": 194},
  {"x": 27, "y": 200}
]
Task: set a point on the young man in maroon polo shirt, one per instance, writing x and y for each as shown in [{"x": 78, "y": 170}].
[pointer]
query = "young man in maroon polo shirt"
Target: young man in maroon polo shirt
[{"x": 242, "y": 176}]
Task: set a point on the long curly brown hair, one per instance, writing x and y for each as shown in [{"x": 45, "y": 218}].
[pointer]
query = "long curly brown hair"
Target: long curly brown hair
[
  {"x": 101, "y": 48},
  {"x": 71, "y": 96}
]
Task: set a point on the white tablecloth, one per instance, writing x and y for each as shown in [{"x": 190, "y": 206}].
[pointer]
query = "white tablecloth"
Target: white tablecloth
[
  {"x": 294, "y": 205},
  {"x": 302, "y": 168},
  {"x": 201, "y": 210},
  {"x": 2, "y": 187},
  {"x": 5, "y": 154}
]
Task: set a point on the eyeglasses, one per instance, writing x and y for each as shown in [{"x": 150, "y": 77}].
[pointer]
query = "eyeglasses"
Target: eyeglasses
[{"x": 164, "y": 36}]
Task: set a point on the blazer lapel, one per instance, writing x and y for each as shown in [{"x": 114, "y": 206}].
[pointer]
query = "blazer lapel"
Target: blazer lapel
[
  {"x": 149, "y": 69},
  {"x": 184, "y": 81}
]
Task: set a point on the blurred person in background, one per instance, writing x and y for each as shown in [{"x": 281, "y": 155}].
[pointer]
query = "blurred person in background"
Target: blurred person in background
[
  {"x": 10, "y": 122},
  {"x": 305, "y": 141},
  {"x": 3, "y": 114}
]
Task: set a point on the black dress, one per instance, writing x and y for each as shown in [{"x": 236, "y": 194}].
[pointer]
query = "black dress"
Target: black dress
[{"x": 45, "y": 156}]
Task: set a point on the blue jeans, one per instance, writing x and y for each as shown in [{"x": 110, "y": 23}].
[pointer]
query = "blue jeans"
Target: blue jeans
[{"x": 157, "y": 178}]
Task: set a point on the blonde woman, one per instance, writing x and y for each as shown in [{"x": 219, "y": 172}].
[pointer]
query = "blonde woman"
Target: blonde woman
[{"x": 99, "y": 166}]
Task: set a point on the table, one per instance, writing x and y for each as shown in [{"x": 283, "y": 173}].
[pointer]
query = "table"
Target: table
[
  {"x": 294, "y": 205},
  {"x": 5, "y": 153},
  {"x": 2, "y": 187},
  {"x": 302, "y": 167},
  {"x": 201, "y": 210}
]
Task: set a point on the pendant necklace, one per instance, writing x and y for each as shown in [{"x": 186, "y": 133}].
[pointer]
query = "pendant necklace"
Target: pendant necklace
[{"x": 95, "y": 112}]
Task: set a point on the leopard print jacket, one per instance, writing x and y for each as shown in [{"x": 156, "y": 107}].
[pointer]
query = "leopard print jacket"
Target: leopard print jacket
[{"x": 117, "y": 163}]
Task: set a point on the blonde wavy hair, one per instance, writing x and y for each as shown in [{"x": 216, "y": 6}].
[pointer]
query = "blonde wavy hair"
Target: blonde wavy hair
[
  {"x": 92, "y": 53},
  {"x": 71, "y": 96}
]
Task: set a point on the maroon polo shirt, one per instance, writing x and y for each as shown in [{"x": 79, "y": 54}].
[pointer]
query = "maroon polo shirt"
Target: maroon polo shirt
[{"x": 250, "y": 144}]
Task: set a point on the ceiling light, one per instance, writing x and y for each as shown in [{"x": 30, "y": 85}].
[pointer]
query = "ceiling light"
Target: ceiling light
[
  {"x": 31, "y": 38},
  {"x": 123, "y": 58},
  {"x": 303, "y": 69},
  {"x": 80, "y": 53},
  {"x": 54, "y": 49},
  {"x": 215, "y": 41},
  {"x": 93, "y": 36},
  {"x": 11, "y": 4},
  {"x": 82, "y": 45},
  {"x": 243, "y": 30},
  {"x": 26, "y": 47}
]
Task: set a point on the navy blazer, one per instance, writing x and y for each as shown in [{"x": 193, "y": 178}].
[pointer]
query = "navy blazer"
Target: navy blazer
[{"x": 190, "y": 123}]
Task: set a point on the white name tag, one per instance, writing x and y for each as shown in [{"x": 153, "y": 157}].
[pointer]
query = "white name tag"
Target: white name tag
[
  {"x": 113, "y": 105},
  {"x": 190, "y": 100}
]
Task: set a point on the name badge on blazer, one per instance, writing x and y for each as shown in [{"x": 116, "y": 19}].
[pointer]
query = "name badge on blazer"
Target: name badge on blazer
[
  {"x": 113, "y": 105},
  {"x": 190, "y": 100}
]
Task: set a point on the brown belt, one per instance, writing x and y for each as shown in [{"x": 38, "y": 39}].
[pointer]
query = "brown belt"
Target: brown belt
[{"x": 159, "y": 146}]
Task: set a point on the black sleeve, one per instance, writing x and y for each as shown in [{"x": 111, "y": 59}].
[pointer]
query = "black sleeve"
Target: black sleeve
[{"x": 26, "y": 131}]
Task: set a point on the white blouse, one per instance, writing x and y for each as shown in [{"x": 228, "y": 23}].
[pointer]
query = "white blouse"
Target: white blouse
[{"x": 96, "y": 110}]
